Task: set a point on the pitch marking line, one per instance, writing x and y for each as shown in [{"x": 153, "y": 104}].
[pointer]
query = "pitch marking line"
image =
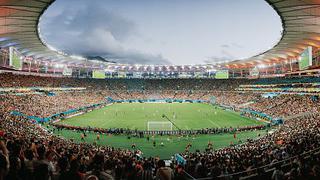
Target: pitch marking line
[{"x": 215, "y": 124}]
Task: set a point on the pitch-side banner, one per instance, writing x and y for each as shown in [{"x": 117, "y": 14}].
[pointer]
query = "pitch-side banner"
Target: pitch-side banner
[
  {"x": 14, "y": 59},
  {"x": 67, "y": 71},
  {"x": 305, "y": 59}
]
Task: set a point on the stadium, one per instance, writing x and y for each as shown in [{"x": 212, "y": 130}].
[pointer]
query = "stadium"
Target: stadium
[{"x": 120, "y": 115}]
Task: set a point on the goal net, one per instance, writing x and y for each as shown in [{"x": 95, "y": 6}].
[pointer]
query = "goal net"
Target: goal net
[{"x": 159, "y": 126}]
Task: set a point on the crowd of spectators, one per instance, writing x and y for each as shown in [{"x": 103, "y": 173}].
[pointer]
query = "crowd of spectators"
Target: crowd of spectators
[
  {"x": 291, "y": 139},
  {"x": 287, "y": 105},
  {"x": 30, "y": 151},
  {"x": 43, "y": 106},
  {"x": 14, "y": 80}
]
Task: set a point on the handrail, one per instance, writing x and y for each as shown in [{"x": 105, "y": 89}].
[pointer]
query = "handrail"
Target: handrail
[
  {"x": 188, "y": 175},
  {"x": 264, "y": 166}
]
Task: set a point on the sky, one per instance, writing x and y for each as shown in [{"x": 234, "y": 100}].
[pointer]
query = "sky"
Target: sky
[{"x": 163, "y": 32}]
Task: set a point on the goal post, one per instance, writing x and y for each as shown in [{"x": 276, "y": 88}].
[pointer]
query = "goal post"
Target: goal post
[{"x": 159, "y": 126}]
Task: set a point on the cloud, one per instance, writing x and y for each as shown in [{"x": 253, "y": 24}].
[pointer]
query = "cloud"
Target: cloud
[
  {"x": 135, "y": 57},
  {"x": 225, "y": 46},
  {"x": 231, "y": 45},
  {"x": 145, "y": 31},
  {"x": 237, "y": 45},
  {"x": 225, "y": 56},
  {"x": 89, "y": 29}
]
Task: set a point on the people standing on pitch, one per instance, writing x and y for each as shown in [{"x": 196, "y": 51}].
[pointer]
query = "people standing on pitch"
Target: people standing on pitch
[
  {"x": 209, "y": 145},
  {"x": 82, "y": 137},
  {"x": 189, "y": 145}
]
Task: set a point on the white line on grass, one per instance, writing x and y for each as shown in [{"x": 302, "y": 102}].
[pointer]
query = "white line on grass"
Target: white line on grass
[{"x": 215, "y": 124}]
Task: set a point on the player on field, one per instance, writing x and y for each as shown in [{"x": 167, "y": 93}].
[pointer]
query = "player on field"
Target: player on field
[
  {"x": 82, "y": 137},
  {"x": 210, "y": 145},
  {"x": 161, "y": 144}
]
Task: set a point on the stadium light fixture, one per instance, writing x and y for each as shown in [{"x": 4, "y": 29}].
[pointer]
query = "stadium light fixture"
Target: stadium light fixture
[
  {"x": 261, "y": 66},
  {"x": 58, "y": 65}
]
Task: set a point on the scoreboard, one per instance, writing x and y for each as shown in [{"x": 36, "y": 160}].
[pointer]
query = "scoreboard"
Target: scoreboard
[{"x": 222, "y": 74}]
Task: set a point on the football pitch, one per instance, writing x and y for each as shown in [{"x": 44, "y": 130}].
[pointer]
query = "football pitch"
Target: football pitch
[{"x": 185, "y": 116}]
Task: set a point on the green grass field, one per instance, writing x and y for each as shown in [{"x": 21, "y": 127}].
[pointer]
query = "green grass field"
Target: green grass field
[
  {"x": 137, "y": 115},
  {"x": 184, "y": 115}
]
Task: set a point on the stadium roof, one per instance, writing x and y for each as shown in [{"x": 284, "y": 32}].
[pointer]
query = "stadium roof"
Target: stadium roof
[
  {"x": 300, "y": 19},
  {"x": 301, "y": 28}
]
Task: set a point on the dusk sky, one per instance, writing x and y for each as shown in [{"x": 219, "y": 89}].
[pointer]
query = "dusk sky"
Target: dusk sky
[{"x": 162, "y": 31}]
